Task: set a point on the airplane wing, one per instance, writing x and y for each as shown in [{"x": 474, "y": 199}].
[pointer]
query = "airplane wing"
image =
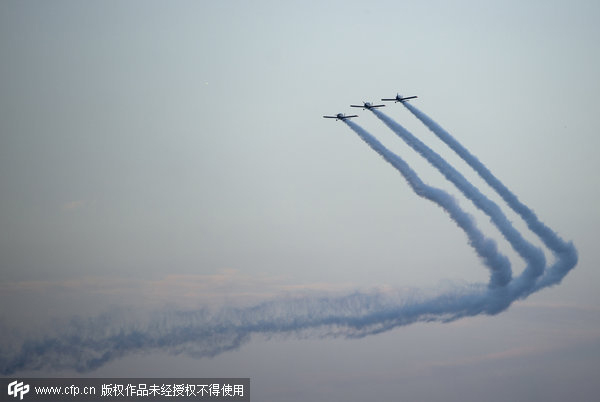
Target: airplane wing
[
  {"x": 372, "y": 106},
  {"x": 348, "y": 117},
  {"x": 330, "y": 117},
  {"x": 398, "y": 99},
  {"x": 356, "y": 106}
]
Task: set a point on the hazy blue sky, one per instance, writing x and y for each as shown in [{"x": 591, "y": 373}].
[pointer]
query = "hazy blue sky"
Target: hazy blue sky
[{"x": 173, "y": 155}]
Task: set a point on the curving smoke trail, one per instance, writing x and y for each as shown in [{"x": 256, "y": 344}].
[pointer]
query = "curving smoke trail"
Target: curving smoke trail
[
  {"x": 536, "y": 261},
  {"x": 565, "y": 253},
  {"x": 486, "y": 248},
  {"x": 87, "y": 345},
  {"x": 91, "y": 344}
]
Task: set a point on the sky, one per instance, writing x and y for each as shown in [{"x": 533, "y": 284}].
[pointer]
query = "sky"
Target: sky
[{"x": 168, "y": 157}]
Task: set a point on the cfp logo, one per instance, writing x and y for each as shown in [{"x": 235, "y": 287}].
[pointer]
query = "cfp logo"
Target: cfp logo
[{"x": 17, "y": 389}]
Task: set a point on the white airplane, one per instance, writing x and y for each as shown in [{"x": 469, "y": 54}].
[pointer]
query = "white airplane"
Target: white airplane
[
  {"x": 399, "y": 98},
  {"x": 367, "y": 105},
  {"x": 341, "y": 116}
]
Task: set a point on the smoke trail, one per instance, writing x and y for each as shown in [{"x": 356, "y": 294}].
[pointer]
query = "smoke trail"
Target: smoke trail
[
  {"x": 87, "y": 346},
  {"x": 485, "y": 248},
  {"x": 536, "y": 262},
  {"x": 91, "y": 344},
  {"x": 565, "y": 252}
]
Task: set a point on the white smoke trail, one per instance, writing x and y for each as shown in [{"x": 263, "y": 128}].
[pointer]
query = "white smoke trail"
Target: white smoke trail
[
  {"x": 91, "y": 344},
  {"x": 565, "y": 253},
  {"x": 85, "y": 346},
  {"x": 536, "y": 261},
  {"x": 486, "y": 248}
]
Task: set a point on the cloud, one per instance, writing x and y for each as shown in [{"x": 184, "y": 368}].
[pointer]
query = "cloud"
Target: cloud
[{"x": 77, "y": 204}]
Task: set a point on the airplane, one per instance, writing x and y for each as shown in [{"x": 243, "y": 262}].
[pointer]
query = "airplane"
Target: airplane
[
  {"x": 399, "y": 98},
  {"x": 367, "y": 105},
  {"x": 341, "y": 116}
]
